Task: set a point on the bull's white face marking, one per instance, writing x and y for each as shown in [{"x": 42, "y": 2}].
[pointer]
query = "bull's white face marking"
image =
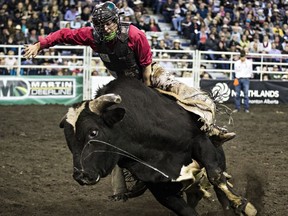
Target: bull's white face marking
[{"x": 73, "y": 114}]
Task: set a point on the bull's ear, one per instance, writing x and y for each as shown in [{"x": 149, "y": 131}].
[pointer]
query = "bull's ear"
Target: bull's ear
[{"x": 113, "y": 116}]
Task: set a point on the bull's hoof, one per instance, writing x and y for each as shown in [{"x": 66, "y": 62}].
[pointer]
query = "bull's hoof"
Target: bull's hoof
[
  {"x": 250, "y": 210},
  {"x": 119, "y": 197},
  {"x": 137, "y": 190}
]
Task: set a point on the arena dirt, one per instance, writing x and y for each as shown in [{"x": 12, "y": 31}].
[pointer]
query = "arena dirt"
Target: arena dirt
[{"x": 36, "y": 167}]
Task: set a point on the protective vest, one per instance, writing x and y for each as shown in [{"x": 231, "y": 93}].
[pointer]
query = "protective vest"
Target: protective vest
[{"x": 120, "y": 60}]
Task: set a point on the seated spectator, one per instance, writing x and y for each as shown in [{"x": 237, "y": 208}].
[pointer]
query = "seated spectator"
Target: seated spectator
[
  {"x": 211, "y": 45},
  {"x": 154, "y": 41},
  {"x": 234, "y": 42},
  {"x": 77, "y": 23},
  {"x": 42, "y": 32},
  {"x": 226, "y": 31},
  {"x": 236, "y": 30},
  {"x": 261, "y": 16},
  {"x": 184, "y": 66},
  {"x": 203, "y": 73},
  {"x": 3, "y": 68},
  {"x": 32, "y": 37},
  {"x": 265, "y": 77},
  {"x": 153, "y": 26},
  {"x": 23, "y": 25},
  {"x": 161, "y": 46},
  {"x": 165, "y": 63},
  {"x": 285, "y": 52},
  {"x": 86, "y": 13},
  {"x": 201, "y": 38},
  {"x": 222, "y": 48},
  {"x": 255, "y": 47},
  {"x": 74, "y": 64},
  {"x": 71, "y": 13},
  {"x": 185, "y": 26},
  {"x": 18, "y": 36},
  {"x": 191, "y": 7},
  {"x": 11, "y": 63},
  {"x": 275, "y": 75},
  {"x": 57, "y": 54},
  {"x": 55, "y": 14},
  {"x": 168, "y": 40},
  {"x": 138, "y": 7},
  {"x": 50, "y": 28},
  {"x": 194, "y": 29},
  {"x": 168, "y": 10},
  {"x": 126, "y": 10},
  {"x": 202, "y": 10},
  {"x": 266, "y": 44},
  {"x": 244, "y": 41},
  {"x": 98, "y": 68},
  {"x": 249, "y": 34},
  {"x": 285, "y": 41},
  {"x": 34, "y": 21},
  {"x": 209, "y": 19},
  {"x": 178, "y": 16},
  {"x": 4, "y": 14},
  {"x": 205, "y": 76},
  {"x": 274, "y": 52},
  {"x": 277, "y": 41},
  {"x": 158, "y": 6},
  {"x": 285, "y": 76},
  {"x": 176, "y": 46},
  {"x": 141, "y": 24},
  {"x": 44, "y": 15}
]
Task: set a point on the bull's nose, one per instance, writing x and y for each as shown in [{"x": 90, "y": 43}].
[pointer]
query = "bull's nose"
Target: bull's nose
[
  {"x": 78, "y": 176},
  {"x": 85, "y": 178}
]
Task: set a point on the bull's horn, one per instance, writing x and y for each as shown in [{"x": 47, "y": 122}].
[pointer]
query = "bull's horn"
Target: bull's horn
[
  {"x": 99, "y": 104},
  {"x": 61, "y": 125}
]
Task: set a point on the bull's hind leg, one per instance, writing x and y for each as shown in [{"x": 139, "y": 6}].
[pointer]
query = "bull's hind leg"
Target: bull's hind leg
[
  {"x": 169, "y": 195},
  {"x": 213, "y": 159}
]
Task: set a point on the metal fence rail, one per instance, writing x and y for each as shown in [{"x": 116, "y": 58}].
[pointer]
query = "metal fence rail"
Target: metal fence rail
[{"x": 190, "y": 66}]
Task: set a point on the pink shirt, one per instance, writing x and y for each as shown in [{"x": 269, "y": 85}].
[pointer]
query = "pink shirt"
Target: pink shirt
[{"x": 84, "y": 36}]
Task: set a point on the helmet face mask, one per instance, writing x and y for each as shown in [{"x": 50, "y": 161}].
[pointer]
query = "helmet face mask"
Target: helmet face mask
[{"x": 105, "y": 14}]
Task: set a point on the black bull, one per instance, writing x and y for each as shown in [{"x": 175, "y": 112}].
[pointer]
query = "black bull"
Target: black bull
[{"x": 150, "y": 135}]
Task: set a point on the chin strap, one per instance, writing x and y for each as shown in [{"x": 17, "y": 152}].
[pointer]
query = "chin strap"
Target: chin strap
[{"x": 110, "y": 37}]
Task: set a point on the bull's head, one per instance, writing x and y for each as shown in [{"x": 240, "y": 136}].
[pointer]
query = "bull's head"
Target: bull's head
[{"x": 86, "y": 127}]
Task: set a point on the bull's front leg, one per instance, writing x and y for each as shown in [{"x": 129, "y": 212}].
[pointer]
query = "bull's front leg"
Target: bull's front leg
[
  {"x": 169, "y": 195},
  {"x": 213, "y": 159}
]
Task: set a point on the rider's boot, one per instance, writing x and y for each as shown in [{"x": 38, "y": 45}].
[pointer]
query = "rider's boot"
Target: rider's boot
[{"x": 219, "y": 135}]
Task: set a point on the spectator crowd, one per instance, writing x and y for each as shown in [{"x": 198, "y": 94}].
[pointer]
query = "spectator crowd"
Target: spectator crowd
[{"x": 254, "y": 26}]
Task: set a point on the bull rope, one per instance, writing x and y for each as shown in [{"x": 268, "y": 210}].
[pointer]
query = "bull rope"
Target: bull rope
[{"x": 123, "y": 153}]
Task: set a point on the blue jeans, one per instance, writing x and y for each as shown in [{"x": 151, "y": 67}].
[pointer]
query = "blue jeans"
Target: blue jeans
[{"x": 244, "y": 84}]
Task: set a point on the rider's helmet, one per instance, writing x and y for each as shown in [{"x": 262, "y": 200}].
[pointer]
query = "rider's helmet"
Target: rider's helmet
[{"x": 102, "y": 14}]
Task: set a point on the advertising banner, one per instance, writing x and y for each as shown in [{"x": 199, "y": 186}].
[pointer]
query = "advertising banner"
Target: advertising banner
[
  {"x": 64, "y": 90},
  {"x": 261, "y": 92}
]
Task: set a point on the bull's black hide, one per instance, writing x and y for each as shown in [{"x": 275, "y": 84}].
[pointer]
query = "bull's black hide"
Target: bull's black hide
[{"x": 147, "y": 133}]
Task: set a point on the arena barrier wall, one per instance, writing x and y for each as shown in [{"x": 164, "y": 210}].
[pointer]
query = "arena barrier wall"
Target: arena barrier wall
[{"x": 268, "y": 92}]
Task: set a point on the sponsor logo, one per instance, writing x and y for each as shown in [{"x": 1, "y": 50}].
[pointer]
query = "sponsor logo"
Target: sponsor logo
[
  {"x": 13, "y": 88},
  {"x": 39, "y": 88},
  {"x": 221, "y": 92}
]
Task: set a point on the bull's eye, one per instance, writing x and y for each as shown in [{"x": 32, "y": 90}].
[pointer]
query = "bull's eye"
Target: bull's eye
[{"x": 93, "y": 133}]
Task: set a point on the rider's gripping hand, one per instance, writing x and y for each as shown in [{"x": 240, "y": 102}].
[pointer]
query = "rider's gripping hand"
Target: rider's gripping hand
[{"x": 32, "y": 50}]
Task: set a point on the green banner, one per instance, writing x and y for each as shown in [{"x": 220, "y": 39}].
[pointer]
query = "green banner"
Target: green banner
[{"x": 25, "y": 90}]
